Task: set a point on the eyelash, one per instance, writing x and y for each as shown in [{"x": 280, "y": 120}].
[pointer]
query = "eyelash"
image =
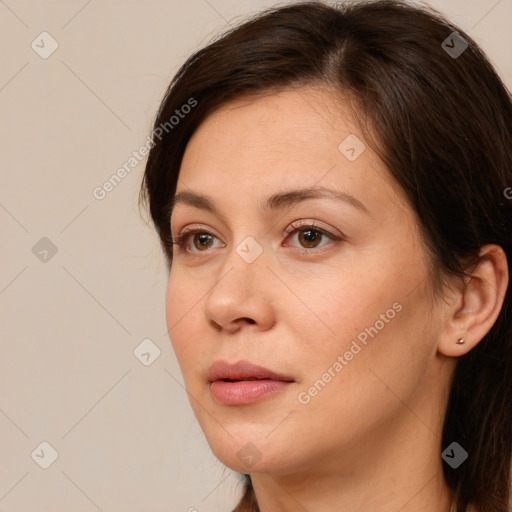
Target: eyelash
[{"x": 183, "y": 237}]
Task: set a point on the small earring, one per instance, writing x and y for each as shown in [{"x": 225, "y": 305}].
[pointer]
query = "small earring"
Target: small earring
[{"x": 461, "y": 341}]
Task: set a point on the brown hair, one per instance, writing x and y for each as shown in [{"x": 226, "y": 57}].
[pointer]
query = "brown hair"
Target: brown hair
[{"x": 442, "y": 124}]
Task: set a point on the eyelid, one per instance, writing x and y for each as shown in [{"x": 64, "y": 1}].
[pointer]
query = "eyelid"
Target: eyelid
[{"x": 298, "y": 224}]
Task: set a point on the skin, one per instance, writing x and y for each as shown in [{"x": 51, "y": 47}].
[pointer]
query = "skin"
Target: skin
[{"x": 371, "y": 438}]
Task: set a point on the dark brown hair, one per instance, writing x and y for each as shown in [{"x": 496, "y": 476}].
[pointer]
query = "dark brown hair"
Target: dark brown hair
[{"x": 442, "y": 124}]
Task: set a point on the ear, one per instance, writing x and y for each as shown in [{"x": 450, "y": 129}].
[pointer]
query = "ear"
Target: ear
[{"x": 477, "y": 304}]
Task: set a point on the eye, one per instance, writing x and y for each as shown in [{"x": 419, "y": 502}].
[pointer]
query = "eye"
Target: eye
[
  {"x": 310, "y": 237},
  {"x": 203, "y": 238}
]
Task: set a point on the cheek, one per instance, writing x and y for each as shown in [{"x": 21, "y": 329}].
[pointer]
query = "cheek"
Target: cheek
[
  {"x": 182, "y": 301},
  {"x": 371, "y": 388},
  {"x": 350, "y": 293},
  {"x": 172, "y": 305},
  {"x": 380, "y": 351},
  {"x": 341, "y": 307},
  {"x": 182, "y": 311},
  {"x": 370, "y": 322}
]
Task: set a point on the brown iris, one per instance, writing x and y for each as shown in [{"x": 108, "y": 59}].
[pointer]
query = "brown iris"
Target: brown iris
[
  {"x": 204, "y": 239},
  {"x": 310, "y": 236}
]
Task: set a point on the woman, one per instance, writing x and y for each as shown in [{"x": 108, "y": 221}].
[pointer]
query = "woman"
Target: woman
[{"x": 329, "y": 185}]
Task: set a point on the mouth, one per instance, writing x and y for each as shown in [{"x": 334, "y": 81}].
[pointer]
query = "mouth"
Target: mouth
[
  {"x": 241, "y": 380},
  {"x": 244, "y": 383},
  {"x": 243, "y": 371}
]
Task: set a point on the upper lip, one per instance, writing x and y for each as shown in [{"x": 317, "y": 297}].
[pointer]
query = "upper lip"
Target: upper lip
[{"x": 242, "y": 370}]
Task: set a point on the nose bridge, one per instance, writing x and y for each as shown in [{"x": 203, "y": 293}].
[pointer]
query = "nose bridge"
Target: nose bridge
[
  {"x": 249, "y": 250},
  {"x": 244, "y": 264},
  {"x": 239, "y": 291}
]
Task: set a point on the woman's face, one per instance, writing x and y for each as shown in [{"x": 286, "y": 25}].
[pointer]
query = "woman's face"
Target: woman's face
[{"x": 344, "y": 318}]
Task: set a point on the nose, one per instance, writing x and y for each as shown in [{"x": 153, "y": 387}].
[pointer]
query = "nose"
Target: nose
[{"x": 241, "y": 296}]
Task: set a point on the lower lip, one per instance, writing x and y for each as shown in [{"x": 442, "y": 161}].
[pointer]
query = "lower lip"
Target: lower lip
[{"x": 244, "y": 391}]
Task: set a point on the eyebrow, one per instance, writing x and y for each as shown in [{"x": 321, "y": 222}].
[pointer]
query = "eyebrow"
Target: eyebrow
[{"x": 275, "y": 202}]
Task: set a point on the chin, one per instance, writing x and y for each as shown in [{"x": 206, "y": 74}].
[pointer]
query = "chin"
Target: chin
[{"x": 249, "y": 453}]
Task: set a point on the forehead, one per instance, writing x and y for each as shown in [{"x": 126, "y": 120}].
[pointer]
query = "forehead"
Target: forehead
[
  {"x": 290, "y": 139},
  {"x": 292, "y": 122}
]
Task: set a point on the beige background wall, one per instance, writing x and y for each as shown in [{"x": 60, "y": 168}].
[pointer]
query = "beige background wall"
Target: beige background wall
[{"x": 124, "y": 432}]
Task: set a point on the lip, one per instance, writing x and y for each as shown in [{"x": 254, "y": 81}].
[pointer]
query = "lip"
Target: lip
[
  {"x": 251, "y": 382},
  {"x": 243, "y": 370}
]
